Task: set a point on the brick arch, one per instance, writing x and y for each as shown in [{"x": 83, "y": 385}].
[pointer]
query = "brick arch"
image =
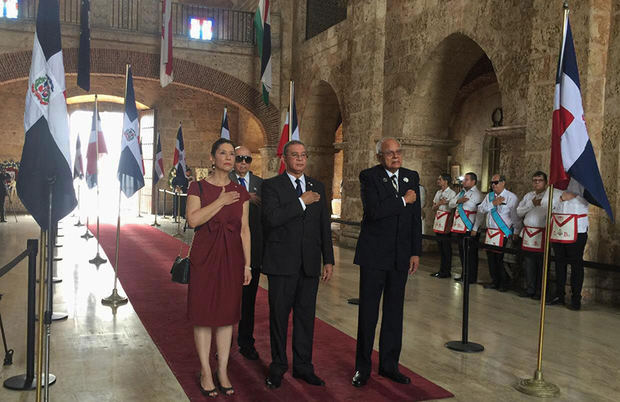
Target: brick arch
[{"x": 15, "y": 66}]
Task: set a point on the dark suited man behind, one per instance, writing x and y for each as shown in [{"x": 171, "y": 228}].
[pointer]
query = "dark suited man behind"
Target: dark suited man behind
[
  {"x": 297, "y": 235},
  {"x": 242, "y": 175},
  {"x": 388, "y": 248},
  {"x": 3, "y": 193}
]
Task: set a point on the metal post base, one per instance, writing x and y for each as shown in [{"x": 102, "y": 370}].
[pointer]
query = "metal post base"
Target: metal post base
[
  {"x": 87, "y": 235},
  {"x": 179, "y": 236},
  {"x": 467, "y": 347},
  {"x": 19, "y": 382},
  {"x": 79, "y": 224},
  {"x": 55, "y": 279},
  {"x": 114, "y": 299},
  {"x": 155, "y": 224},
  {"x": 57, "y": 245},
  {"x": 537, "y": 386},
  {"x": 98, "y": 260}
]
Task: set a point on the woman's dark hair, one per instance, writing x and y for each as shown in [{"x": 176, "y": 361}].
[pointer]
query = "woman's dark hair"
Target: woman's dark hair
[{"x": 219, "y": 143}]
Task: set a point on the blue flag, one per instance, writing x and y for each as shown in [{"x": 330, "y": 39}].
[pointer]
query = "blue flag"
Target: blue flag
[
  {"x": 83, "y": 76},
  {"x": 130, "y": 167}
]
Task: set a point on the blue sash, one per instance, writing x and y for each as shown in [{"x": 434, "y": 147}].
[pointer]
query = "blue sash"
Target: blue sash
[
  {"x": 462, "y": 213},
  {"x": 498, "y": 219}
]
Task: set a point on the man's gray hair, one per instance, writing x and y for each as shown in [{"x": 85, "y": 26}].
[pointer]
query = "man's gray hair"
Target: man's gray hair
[
  {"x": 292, "y": 142},
  {"x": 382, "y": 141}
]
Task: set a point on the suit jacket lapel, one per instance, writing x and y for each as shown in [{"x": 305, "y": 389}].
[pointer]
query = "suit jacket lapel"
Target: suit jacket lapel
[{"x": 387, "y": 182}]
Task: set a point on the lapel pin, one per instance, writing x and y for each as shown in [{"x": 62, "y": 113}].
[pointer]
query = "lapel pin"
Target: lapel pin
[
  {"x": 406, "y": 180},
  {"x": 384, "y": 180}
]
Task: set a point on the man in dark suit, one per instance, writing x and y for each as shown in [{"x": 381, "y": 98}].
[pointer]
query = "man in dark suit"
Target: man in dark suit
[
  {"x": 242, "y": 175},
  {"x": 297, "y": 235},
  {"x": 3, "y": 193},
  {"x": 388, "y": 248}
]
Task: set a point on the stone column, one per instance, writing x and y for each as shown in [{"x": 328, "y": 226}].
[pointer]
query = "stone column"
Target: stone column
[{"x": 270, "y": 162}]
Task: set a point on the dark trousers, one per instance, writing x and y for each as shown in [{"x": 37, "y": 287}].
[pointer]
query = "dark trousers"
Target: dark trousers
[
  {"x": 296, "y": 292},
  {"x": 176, "y": 208},
  {"x": 373, "y": 283},
  {"x": 248, "y": 301},
  {"x": 445, "y": 250},
  {"x": 498, "y": 273},
  {"x": 573, "y": 251},
  {"x": 2, "y": 210},
  {"x": 533, "y": 264},
  {"x": 473, "y": 255}
]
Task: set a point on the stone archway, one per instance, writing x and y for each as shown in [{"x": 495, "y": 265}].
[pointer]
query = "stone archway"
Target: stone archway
[
  {"x": 322, "y": 120},
  {"x": 15, "y": 66}
]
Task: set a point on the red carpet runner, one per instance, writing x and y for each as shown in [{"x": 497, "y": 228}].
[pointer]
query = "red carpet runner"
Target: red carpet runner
[{"x": 146, "y": 255}]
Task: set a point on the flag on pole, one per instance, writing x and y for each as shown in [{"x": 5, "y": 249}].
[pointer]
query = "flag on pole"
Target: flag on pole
[
  {"x": 165, "y": 57},
  {"x": 78, "y": 166},
  {"x": 262, "y": 23},
  {"x": 83, "y": 76},
  {"x": 130, "y": 169},
  {"x": 572, "y": 155},
  {"x": 96, "y": 147},
  {"x": 179, "y": 155},
  {"x": 225, "y": 132},
  {"x": 283, "y": 140},
  {"x": 158, "y": 166},
  {"x": 294, "y": 129},
  {"x": 47, "y": 150}
]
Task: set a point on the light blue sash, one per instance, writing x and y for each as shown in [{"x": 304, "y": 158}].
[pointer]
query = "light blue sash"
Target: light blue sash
[
  {"x": 468, "y": 224},
  {"x": 498, "y": 219}
]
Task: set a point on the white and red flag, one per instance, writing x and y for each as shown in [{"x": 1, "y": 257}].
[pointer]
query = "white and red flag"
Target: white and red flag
[
  {"x": 159, "y": 163},
  {"x": 572, "y": 155},
  {"x": 284, "y": 138},
  {"x": 165, "y": 58},
  {"x": 96, "y": 147}
]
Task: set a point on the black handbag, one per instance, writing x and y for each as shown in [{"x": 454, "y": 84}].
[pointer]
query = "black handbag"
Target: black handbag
[{"x": 180, "y": 266}]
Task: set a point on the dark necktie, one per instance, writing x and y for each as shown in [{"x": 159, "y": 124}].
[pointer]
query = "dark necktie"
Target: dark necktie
[
  {"x": 298, "y": 187},
  {"x": 395, "y": 182},
  {"x": 242, "y": 181}
]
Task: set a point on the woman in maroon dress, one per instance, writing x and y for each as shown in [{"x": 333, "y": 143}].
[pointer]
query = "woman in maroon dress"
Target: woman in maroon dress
[{"x": 220, "y": 263}]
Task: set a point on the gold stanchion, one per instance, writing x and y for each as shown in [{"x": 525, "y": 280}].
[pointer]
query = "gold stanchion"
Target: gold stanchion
[
  {"x": 178, "y": 234},
  {"x": 155, "y": 224},
  {"x": 537, "y": 386}
]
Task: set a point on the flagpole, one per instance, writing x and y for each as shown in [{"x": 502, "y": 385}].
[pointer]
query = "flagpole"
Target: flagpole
[
  {"x": 79, "y": 222},
  {"x": 87, "y": 234},
  {"x": 290, "y": 108},
  {"x": 115, "y": 300},
  {"x": 98, "y": 260},
  {"x": 155, "y": 224},
  {"x": 537, "y": 386}
]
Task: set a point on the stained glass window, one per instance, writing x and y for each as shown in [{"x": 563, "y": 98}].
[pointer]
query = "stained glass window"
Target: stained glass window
[{"x": 8, "y": 9}]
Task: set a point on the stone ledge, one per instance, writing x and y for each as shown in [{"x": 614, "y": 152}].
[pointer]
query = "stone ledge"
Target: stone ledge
[{"x": 506, "y": 131}]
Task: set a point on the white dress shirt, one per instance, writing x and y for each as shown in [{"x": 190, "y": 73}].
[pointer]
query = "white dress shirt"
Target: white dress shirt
[
  {"x": 390, "y": 174},
  {"x": 302, "y": 181},
  {"x": 535, "y": 216},
  {"x": 246, "y": 178},
  {"x": 577, "y": 206},
  {"x": 474, "y": 198},
  {"x": 506, "y": 210},
  {"x": 447, "y": 194}
]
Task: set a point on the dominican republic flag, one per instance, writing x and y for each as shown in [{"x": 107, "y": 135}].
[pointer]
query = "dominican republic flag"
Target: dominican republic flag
[
  {"x": 96, "y": 147},
  {"x": 179, "y": 155},
  {"x": 78, "y": 166},
  {"x": 262, "y": 24},
  {"x": 283, "y": 140},
  {"x": 46, "y": 156},
  {"x": 158, "y": 166},
  {"x": 165, "y": 57},
  {"x": 572, "y": 155},
  {"x": 130, "y": 166},
  {"x": 83, "y": 76},
  {"x": 294, "y": 128},
  {"x": 225, "y": 132}
]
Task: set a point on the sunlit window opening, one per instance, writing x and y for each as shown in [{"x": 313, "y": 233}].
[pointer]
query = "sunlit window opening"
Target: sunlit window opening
[
  {"x": 201, "y": 29},
  {"x": 9, "y": 9}
]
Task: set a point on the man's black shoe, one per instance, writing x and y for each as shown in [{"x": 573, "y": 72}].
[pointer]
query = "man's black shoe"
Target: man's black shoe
[
  {"x": 249, "y": 352},
  {"x": 359, "y": 379},
  {"x": 436, "y": 274},
  {"x": 490, "y": 286},
  {"x": 503, "y": 289},
  {"x": 525, "y": 294},
  {"x": 395, "y": 376},
  {"x": 575, "y": 306},
  {"x": 310, "y": 378},
  {"x": 273, "y": 381}
]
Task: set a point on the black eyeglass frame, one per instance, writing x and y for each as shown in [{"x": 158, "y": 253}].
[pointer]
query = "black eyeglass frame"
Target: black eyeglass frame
[{"x": 243, "y": 158}]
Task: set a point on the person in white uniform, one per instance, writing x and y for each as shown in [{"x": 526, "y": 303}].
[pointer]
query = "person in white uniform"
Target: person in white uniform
[
  {"x": 466, "y": 204},
  {"x": 569, "y": 235},
  {"x": 442, "y": 224},
  {"x": 502, "y": 221}
]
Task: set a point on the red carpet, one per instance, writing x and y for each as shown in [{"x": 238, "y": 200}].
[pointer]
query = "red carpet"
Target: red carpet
[{"x": 146, "y": 256}]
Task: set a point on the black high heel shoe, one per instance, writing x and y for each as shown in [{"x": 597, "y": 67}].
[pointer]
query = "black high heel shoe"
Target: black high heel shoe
[
  {"x": 211, "y": 393},
  {"x": 226, "y": 391}
]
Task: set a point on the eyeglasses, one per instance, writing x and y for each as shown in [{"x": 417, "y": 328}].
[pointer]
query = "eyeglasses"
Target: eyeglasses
[
  {"x": 496, "y": 182},
  {"x": 243, "y": 158},
  {"x": 295, "y": 155},
  {"x": 392, "y": 154},
  {"x": 537, "y": 180}
]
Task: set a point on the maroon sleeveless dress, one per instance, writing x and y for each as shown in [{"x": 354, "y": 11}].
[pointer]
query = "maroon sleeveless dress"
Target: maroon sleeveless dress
[{"x": 216, "y": 261}]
